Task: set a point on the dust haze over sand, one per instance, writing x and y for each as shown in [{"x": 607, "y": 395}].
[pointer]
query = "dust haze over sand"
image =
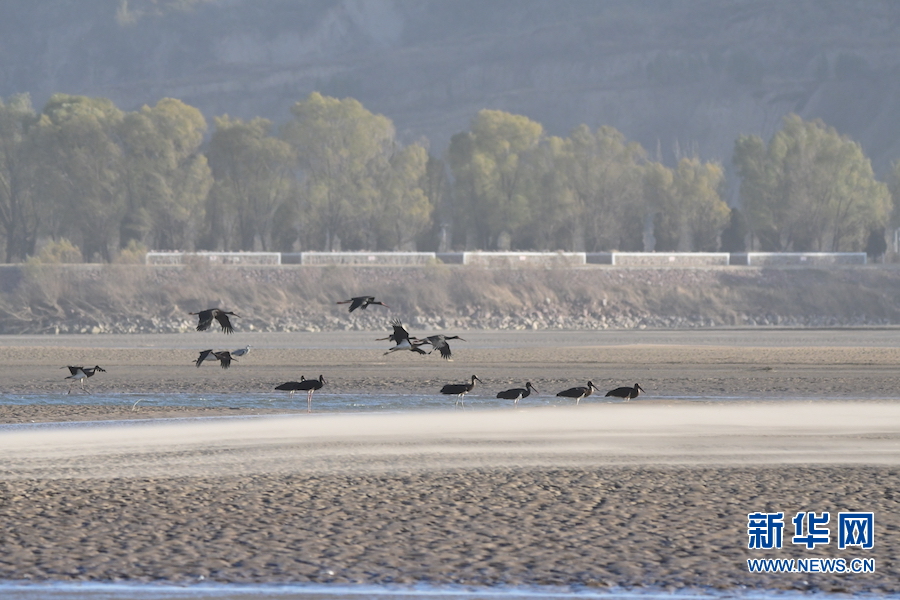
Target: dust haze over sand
[{"x": 685, "y": 434}]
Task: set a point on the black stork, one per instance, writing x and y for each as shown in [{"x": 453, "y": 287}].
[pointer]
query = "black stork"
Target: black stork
[
  {"x": 224, "y": 357},
  {"x": 460, "y": 390},
  {"x": 361, "y": 302},
  {"x": 579, "y": 392},
  {"x": 626, "y": 392},
  {"x": 517, "y": 393},
  {"x": 401, "y": 339},
  {"x": 206, "y": 318},
  {"x": 291, "y": 386},
  {"x": 304, "y": 385},
  {"x": 82, "y": 373},
  {"x": 439, "y": 342}
]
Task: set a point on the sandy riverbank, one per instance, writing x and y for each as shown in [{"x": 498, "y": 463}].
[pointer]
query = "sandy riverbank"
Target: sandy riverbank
[
  {"x": 773, "y": 364},
  {"x": 653, "y": 493}
]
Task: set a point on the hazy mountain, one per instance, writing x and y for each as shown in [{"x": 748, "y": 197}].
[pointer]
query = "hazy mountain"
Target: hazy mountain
[{"x": 687, "y": 75}]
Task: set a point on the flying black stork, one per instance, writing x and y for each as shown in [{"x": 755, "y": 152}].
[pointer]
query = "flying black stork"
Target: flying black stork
[
  {"x": 304, "y": 385},
  {"x": 460, "y": 390},
  {"x": 224, "y": 357},
  {"x": 206, "y": 318},
  {"x": 401, "y": 339},
  {"x": 626, "y": 392},
  {"x": 439, "y": 342},
  {"x": 361, "y": 302},
  {"x": 579, "y": 392},
  {"x": 81, "y": 373},
  {"x": 517, "y": 393}
]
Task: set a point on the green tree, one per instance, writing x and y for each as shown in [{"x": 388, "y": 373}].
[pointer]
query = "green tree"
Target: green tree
[
  {"x": 556, "y": 213},
  {"x": 342, "y": 151},
  {"x": 760, "y": 193},
  {"x": 166, "y": 177},
  {"x": 439, "y": 193},
  {"x": 734, "y": 236},
  {"x": 81, "y": 165},
  {"x": 253, "y": 179},
  {"x": 894, "y": 188},
  {"x": 810, "y": 189},
  {"x": 404, "y": 209},
  {"x": 607, "y": 181},
  {"x": 659, "y": 193},
  {"x": 490, "y": 164},
  {"x": 18, "y": 213},
  {"x": 690, "y": 212}
]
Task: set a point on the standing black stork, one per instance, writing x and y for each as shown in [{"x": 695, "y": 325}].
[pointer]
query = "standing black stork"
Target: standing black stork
[
  {"x": 626, "y": 392},
  {"x": 578, "y": 392},
  {"x": 207, "y": 316},
  {"x": 459, "y": 390},
  {"x": 439, "y": 342},
  {"x": 306, "y": 385},
  {"x": 517, "y": 393},
  {"x": 361, "y": 302},
  {"x": 81, "y": 373},
  {"x": 291, "y": 386},
  {"x": 401, "y": 339},
  {"x": 224, "y": 357}
]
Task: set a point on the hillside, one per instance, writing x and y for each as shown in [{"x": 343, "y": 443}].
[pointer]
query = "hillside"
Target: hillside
[
  {"x": 676, "y": 76},
  {"x": 130, "y": 299}
]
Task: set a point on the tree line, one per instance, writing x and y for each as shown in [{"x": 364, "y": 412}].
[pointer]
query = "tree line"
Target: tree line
[{"x": 87, "y": 176}]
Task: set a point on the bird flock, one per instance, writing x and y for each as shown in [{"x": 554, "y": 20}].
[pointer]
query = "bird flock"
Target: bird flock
[{"x": 401, "y": 339}]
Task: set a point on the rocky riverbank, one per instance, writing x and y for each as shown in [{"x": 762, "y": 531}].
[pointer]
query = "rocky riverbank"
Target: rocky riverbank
[{"x": 141, "y": 299}]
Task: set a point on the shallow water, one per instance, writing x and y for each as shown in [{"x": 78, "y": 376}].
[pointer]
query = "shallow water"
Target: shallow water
[
  {"x": 344, "y": 403},
  {"x": 115, "y": 591},
  {"x": 321, "y": 402}
]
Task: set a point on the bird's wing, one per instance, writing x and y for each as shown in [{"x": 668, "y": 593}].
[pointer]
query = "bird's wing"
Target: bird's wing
[
  {"x": 205, "y": 318},
  {"x": 78, "y": 373},
  {"x": 440, "y": 344},
  {"x": 288, "y": 385},
  {"x": 73, "y": 370},
  {"x": 203, "y": 356},
  {"x": 224, "y": 358},
  {"x": 222, "y": 318},
  {"x": 357, "y": 302},
  {"x": 400, "y": 334}
]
